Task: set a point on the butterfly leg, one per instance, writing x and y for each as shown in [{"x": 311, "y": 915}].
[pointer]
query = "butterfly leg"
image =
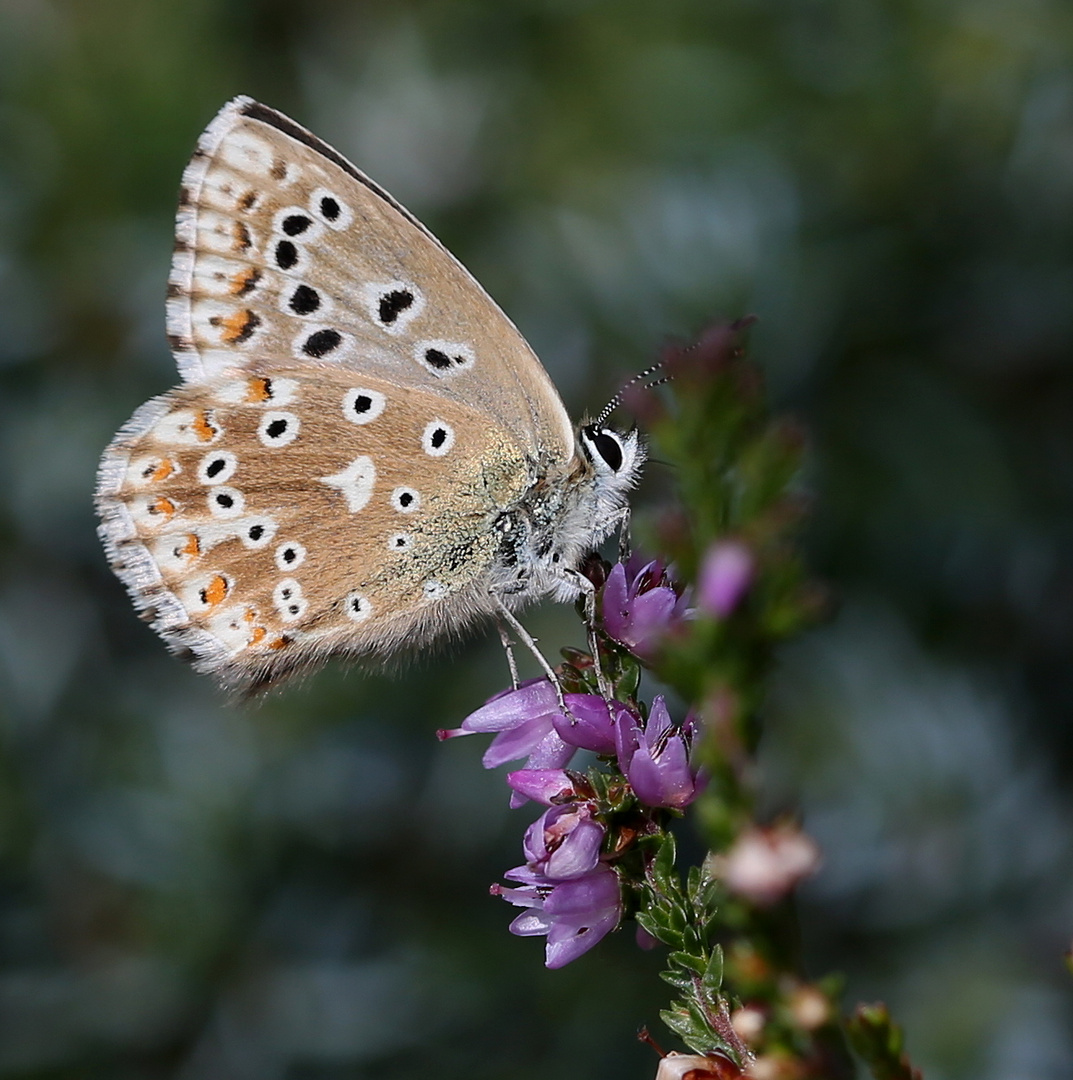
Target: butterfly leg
[
  {"x": 624, "y": 535},
  {"x": 587, "y": 588},
  {"x": 508, "y": 648},
  {"x": 529, "y": 642}
]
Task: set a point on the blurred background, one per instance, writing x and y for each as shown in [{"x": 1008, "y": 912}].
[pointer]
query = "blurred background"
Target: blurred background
[{"x": 299, "y": 891}]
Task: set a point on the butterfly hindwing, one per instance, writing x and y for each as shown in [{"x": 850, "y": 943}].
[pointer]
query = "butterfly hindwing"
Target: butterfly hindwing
[{"x": 264, "y": 522}]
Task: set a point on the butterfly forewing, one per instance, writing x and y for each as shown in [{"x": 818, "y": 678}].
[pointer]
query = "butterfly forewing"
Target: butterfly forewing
[
  {"x": 287, "y": 254},
  {"x": 266, "y": 521}
]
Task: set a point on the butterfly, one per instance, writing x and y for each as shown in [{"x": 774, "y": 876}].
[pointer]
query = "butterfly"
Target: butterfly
[{"x": 364, "y": 454}]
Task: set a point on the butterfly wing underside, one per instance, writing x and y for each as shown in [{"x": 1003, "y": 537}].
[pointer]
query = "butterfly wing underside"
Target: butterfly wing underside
[
  {"x": 285, "y": 253},
  {"x": 264, "y": 523},
  {"x": 356, "y": 415}
]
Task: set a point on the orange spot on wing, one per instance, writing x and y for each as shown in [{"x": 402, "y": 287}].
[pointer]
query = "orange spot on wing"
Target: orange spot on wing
[
  {"x": 192, "y": 547},
  {"x": 280, "y": 642},
  {"x": 164, "y": 506},
  {"x": 244, "y": 281},
  {"x": 257, "y": 635},
  {"x": 216, "y": 590},
  {"x": 203, "y": 427},
  {"x": 166, "y": 468},
  {"x": 259, "y": 390},
  {"x": 238, "y": 327}
]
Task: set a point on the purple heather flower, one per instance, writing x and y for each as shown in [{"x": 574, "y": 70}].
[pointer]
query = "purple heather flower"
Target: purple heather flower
[
  {"x": 574, "y": 914},
  {"x": 529, "y": 724},
  {"x": 564, "y": 842},
  {"x": 655, "y": 758},
  {"x": 640, "y": 604},
  {"x": 725, "y": 577},
  {"x": 590, "y": 725},
  {"x": 547, "y": 786}
]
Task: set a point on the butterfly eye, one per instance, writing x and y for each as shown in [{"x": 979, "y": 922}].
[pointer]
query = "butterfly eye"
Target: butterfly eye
[{"x": 605, "y": 444}]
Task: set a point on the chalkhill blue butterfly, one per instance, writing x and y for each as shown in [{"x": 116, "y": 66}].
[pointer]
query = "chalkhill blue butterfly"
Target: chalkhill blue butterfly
[{"x": 364, "y": 453}]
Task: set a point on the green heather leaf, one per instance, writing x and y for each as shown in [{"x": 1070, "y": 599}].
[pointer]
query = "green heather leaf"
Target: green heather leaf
[
  {"x": 629, "y": 680},
  {"x": 646, "y": 922},
  {"x": 680, "y": 1024},
  {"x": 713, "y": 973},
  {"x": 677, "y": 980},
  {"x": 688, "y": 961},
  {"x": 663, "y": 870}
]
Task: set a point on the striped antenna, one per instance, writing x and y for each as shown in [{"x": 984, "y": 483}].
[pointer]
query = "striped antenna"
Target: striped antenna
[{"x": 616, "y": 401}]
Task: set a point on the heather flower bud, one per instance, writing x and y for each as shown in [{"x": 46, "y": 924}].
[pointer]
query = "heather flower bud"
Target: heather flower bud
[
  {"x": 725, "y": 577},
  {"x": 764, "y": 864}
]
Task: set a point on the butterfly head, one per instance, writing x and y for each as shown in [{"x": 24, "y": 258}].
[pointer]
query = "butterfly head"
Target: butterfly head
[
  {"x": 615, "y": 459},
  {"x": 611, "y": 464}
]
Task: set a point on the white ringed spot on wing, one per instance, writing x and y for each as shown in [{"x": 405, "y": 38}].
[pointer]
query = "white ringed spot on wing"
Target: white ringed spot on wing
[
  {"x": 297, "y": 223},
  {"x": 361, "y": 406},
  {"x": 321, "y": 343},
  {"x": 290, "y": 555},
  {"x": 304, "y": 301},
  {"x": 278, "y": 428},
  {"x": 444, "y": 358},
  {"x": 393, "y": 305},
  {"x": 257, "y": 532},
  {"x": 434, "y": 590},
  {"x": 400, "y": 541},
  {"x": 357, "y": 607},
  {"x": 438, "y": 438},
  {"x": 405, "y": 499},
  {"x": 217, "y": 467},
  {"x": 289, "y": 601},
  {"x": 330, "y": 208},
  {"x": 226, "y": 502},
  {"x": 288, "y": 256}
]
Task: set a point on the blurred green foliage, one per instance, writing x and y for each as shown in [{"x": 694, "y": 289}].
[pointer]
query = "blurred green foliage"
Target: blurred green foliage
[{"x": 298, "y": 890}]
